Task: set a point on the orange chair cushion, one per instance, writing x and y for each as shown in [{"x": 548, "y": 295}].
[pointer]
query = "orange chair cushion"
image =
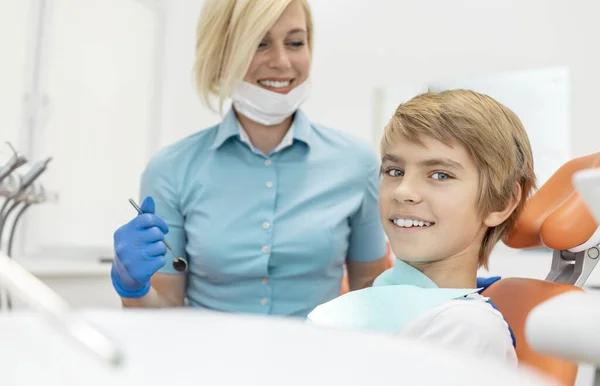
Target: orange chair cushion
[
  {"x": 556, "y": 216},
  {"x": 515, "y": 298}
]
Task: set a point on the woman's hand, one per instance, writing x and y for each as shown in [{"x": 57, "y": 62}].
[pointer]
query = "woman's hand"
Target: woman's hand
[{"x": 140, "y": 252}]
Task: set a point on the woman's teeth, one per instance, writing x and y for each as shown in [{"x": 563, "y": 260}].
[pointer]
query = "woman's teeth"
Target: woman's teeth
[
  {"x": 275, "y": 84},
  {"x": 410, "y": 223}
]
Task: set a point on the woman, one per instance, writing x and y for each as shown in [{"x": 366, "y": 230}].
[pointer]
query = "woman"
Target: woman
[{"x": 266, "y": 207}]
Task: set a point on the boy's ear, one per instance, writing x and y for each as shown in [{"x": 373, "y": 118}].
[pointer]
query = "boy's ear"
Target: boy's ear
[{"x": 494, "y": 219}]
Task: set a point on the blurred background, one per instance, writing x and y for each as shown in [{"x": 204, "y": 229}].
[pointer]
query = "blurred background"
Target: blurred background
[{"x": 101, "y": 85}]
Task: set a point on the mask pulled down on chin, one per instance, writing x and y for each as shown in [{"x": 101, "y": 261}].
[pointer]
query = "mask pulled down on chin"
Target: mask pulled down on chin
[{"x": 268, "y": 107}]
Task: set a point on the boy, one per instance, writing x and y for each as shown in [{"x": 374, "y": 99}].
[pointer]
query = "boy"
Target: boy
[{"x": 457, "y": 168}]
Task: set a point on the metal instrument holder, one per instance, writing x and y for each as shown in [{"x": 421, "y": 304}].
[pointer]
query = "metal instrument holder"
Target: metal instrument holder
[
  {"x": 573, "y": 268},
  {"x": 20, "y": 192}
]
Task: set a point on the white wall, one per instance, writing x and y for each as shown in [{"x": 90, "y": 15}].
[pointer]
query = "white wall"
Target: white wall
[{"x": 362, "y": 44}]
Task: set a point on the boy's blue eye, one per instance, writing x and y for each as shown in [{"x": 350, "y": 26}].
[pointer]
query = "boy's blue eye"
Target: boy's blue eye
[
  {"x": 441, "y": 176},
  {"x": 395, "y": 172}
]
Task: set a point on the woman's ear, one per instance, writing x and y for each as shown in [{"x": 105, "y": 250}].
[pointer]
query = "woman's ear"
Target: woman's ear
[{"x": 493, "y": 219}]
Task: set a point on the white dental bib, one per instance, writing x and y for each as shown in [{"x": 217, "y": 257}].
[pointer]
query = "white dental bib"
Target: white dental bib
[{"x": 397, "y": 297}]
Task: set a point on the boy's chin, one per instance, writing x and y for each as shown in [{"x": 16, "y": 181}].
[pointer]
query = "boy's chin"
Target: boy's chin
[
  {"x": 416, "y": 257},
  {"x": 417, "y": 260}
]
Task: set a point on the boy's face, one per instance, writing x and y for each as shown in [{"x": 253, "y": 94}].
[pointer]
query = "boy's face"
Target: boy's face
[{"x": 427, "y": 201}]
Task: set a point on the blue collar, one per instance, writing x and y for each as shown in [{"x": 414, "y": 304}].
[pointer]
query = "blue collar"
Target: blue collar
[{"x": 228, "y": 128}]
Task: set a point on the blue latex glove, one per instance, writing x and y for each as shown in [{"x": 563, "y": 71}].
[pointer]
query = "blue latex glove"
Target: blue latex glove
[{"x": 140, "y": 252}]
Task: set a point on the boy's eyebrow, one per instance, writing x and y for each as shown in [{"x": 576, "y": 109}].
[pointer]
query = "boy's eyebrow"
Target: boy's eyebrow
[
  {"x": 392, "y": 158},
  {"x": 443, "y": 162}
]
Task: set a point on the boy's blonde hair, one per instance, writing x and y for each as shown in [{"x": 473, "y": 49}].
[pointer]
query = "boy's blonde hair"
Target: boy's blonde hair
[
  {"x": 227, "y": 36},
  {"x": 490, "y": 132}
]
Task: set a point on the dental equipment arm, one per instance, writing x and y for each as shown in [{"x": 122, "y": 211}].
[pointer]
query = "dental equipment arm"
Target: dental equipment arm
[
  {"x": 56, "y": 312},
  {"x": 566, "y": 326}
]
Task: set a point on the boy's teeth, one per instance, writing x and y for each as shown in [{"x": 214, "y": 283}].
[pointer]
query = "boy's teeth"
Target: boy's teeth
[
  {"x": 274, "y": 84},
  {"x": 406, "y": 223}
]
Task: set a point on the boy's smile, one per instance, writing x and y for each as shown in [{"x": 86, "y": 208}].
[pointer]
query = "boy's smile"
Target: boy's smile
[{"x": 407, "y": 223}]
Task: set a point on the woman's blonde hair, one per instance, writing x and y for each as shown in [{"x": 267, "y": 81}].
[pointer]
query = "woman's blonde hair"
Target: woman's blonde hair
[
  {"x": 490, "y": 132},
  {"x": 227, "y": 36}
]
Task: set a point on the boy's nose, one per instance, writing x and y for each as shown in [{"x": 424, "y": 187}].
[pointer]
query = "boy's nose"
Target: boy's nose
[{"x": 406, "y": 193}]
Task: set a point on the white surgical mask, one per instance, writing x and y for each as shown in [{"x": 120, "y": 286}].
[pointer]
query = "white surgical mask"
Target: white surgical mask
[{"x": 268, "y": 107}]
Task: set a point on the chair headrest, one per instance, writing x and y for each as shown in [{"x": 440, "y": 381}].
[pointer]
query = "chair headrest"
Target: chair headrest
[{"x": 556, "y": 216}]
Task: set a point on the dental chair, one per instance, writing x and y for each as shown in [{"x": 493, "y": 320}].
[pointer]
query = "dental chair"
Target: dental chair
[
  {"x": 558, "y": 218},
  {"x": 555, "y": 217}
]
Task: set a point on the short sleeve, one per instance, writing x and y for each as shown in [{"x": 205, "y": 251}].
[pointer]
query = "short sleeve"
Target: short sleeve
[
  {"x": 157, "y": 182},
  {"x": 367, "y": 239},
  {"x": 470, "y": 327}
]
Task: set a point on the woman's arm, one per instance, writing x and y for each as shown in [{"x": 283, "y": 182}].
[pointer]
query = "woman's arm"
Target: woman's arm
[
  {"x": 167, "y": 290},
  {"x": 362, "y": 274},
  {"x": 367, "y": 256},
  {"x": 167, "y": 286}
]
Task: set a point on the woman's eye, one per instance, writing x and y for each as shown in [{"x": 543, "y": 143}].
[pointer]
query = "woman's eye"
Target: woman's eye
[
  {"x": 296, "y": 44},
  {"x": 441, "y": 176},
  {"x": 395, "y": 173}
]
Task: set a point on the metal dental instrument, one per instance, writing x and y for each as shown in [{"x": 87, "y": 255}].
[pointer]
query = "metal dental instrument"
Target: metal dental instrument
[
  {"x": 57, "y": 313},
  {"x": 25, "y": 182},
  {"x": 16, "y": 161},
  {"x": 179, "y": 264}
]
